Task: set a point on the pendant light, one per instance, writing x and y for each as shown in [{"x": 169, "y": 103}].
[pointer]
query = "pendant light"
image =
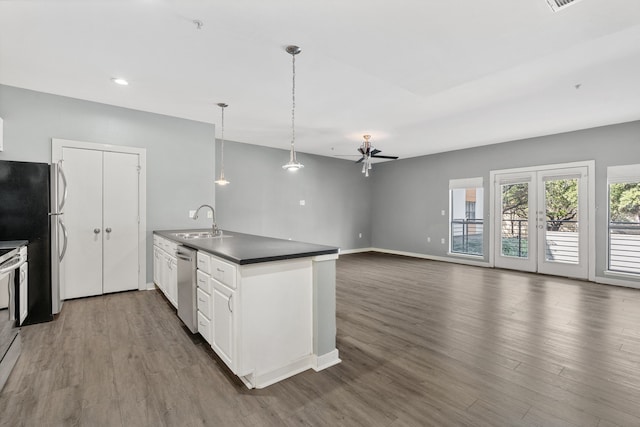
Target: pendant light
[
  {"x": 293, "y": 164},
  {"x": 222, "y": 180}
]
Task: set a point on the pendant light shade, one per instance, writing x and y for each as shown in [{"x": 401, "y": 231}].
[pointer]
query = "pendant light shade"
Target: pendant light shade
[
  {"x": 222, "y": 180},
  {"x": 293, "y": 164}
]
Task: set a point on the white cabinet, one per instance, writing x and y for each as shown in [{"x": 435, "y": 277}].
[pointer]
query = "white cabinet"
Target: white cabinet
[
  {"x": 204, "y": 298},
  {"x": 172, "y": 279},
  {"x": 165, "y": 268},
  {"x": 261, "y": 316},
  {"x": 223, "y": 331},
  {"x": 102, "y": 218}
]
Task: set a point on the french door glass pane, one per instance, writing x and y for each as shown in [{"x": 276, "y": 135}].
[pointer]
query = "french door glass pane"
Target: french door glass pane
[
  {"x": 624, "y": 227},
  {"x": 561, "y": 216},
  {"x": 514, "y": 230}
]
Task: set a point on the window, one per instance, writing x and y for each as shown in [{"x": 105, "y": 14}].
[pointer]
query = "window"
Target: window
[
  {"x": 624, "y": 218},
  {"x": 466, "y": 216}
]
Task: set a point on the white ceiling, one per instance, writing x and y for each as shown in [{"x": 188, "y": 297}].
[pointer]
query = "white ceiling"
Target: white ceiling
[{"x": 421, "y": 76}]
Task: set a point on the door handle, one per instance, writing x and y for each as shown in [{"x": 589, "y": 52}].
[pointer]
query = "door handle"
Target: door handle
[{"x": 64, "y": 181}]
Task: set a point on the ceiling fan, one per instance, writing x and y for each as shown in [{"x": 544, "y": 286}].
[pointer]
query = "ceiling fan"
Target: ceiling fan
[{"x": 368, "y": 152}]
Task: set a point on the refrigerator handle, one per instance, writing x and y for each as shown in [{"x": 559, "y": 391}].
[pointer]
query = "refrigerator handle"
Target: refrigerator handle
[
  {"x": 64, "y": 194},
  {"x": 64, "y": 234}
]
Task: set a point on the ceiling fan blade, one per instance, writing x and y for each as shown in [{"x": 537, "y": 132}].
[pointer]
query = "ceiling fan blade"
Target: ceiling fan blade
[
  {"x": 375, "y": 151},
  {"x": 361, "y": 159},
  {"x": 385, "y": 157},
  {"x": 361, "y": 150}
]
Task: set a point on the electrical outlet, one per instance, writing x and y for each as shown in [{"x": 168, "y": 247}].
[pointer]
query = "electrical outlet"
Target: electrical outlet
[
  {"x": 428, "y": 239},
  {"x": 359, "y": 235},
  {"x": 192, "y": 214},
  {"x": 209, "y": 214},
  {"x": 442, "y": 241},
  {"x": 302, "y": 202}
]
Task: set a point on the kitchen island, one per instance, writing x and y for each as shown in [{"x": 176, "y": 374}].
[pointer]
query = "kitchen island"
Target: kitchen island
[{"x": 266, "y": 306}]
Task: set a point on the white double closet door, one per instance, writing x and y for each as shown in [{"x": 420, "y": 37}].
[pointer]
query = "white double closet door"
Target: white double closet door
[{"x": 102, "y": 217}]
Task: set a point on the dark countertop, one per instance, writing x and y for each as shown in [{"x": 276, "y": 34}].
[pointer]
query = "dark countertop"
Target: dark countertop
[{"x": 241, "y": 248}]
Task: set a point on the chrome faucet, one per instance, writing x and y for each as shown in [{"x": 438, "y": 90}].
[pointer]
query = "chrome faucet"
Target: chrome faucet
[{"x": 214, "y": 227}]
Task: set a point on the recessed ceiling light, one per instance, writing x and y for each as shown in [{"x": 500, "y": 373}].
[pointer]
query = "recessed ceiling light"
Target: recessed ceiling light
[{"x": 120, "y": 81}]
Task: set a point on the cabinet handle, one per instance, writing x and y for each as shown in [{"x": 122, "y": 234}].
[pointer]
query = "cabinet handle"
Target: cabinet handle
[
  {"x": 229, "y": 303},
  {"x": 220, "y": 270},
  {"x": 96, "y": 230},
  {"x": 108, "y": 229}
]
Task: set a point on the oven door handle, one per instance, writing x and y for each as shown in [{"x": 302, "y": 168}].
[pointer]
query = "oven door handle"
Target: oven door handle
[{"x": 14, "y": 263}]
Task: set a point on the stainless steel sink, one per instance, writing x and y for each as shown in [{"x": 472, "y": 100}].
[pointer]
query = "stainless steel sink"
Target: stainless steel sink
[{"x": 200, "y": 235}]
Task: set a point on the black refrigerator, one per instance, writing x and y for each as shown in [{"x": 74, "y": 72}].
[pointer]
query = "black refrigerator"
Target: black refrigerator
[{"x": 24, "y": 215}]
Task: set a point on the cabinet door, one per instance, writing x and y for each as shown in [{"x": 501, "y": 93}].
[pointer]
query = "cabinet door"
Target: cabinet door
[
  {"x": 120, "y": 222},
  {"x": 157, "y": 265},
  {"x": 81, "y": 269},
  {"x": 172, "y": 281},
  {"x": 24, "y": 291},
  {"x": 223, "y": 337}
]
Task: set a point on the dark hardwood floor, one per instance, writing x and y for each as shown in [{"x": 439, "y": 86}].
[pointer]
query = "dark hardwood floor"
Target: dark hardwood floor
[{"x": 421, "y": 342}]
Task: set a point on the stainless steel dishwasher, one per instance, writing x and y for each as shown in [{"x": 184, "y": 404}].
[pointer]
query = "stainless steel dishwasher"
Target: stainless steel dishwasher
[{"x": 187, "y": 309}]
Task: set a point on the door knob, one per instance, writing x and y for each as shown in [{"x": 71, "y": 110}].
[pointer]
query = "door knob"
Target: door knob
[
  {"x": 108, "y": 229},
  {"x": 96, "y": 230}
]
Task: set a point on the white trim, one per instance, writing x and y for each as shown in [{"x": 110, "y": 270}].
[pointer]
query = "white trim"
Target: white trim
[
  {"x": 150, "y": 287},
  {"x": 459, "y": 184},
  {"x": 58, "y": 144},
  {"x": 325, "y": 361},
  {"x": 268, "y": 378},
  {"x": 617, "y": 282},
  {"x": 432, "y": 257},
  {"x": 622, "y": 274},
  {"x": 463, "y": 255}
]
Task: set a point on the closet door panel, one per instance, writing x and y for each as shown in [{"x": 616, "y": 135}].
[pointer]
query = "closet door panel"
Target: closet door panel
[
  {"x": 120, "y": 222},
  {"x": 81, "y": 270}
]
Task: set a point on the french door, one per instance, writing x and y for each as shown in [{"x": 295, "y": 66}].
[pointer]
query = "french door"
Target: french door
[{"x": 542, "y": 221}]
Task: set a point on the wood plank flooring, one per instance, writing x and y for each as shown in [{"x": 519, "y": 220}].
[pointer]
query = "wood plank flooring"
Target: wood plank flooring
[{"x": 422, "y": 343}]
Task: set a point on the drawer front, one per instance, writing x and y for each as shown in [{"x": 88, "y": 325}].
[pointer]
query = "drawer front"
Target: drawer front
[
  {"x": 203, "y": 282},
  {"x": 204, "y": 262},
  {"x": 223, "y": 272},
  {"x": 204, "y": 303},
  {"x": 204, "y": 327}
]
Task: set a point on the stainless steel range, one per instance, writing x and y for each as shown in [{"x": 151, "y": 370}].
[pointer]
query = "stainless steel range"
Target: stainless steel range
[{"x": 12, "y": 257}]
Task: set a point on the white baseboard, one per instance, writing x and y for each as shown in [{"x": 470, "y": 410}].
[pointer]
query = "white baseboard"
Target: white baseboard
[
  {"x": 465, "y": 260},
  {"x": 326, "y": 360},
  {"x": 617, "y": 282},
  {"x": 267, "y": 378},
  {"x": 150, "y": 286}
]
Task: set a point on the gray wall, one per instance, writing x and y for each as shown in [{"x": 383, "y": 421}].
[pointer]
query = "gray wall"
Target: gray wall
[
  {"x": 180, "y": 153},
  {"x": 410, "y": 194},
  {"x": 264, "y": 199}
]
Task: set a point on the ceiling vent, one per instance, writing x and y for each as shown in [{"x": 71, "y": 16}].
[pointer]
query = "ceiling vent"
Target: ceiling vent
[{"x": 557, "y": 5}]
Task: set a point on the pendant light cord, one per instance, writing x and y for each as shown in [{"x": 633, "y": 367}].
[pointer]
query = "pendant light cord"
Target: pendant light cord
[
  {"x": 222, "y": 146},
  {"x": 293, "y": 103}
]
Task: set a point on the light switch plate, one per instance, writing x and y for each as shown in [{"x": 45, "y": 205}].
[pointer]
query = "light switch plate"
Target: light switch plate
[
  {"x": 209, "y": 214},
  {"x": 302, "y": 202},
  {"x": 191, "y": 214}
]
